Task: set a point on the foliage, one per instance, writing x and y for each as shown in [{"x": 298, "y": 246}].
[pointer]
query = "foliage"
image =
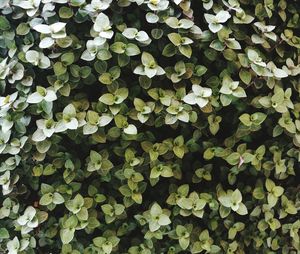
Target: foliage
[{"x": 149, "y": 126}]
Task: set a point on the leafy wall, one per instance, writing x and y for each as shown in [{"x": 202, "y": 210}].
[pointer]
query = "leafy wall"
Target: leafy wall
[{"x": 149, "y": 126}]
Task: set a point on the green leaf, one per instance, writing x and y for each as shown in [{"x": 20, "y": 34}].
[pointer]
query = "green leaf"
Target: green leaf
[
  {"x": 169, "y": 50},
  {"x": 65, "y": 12},
  {"x": 278, "y": 191},
  {"x": 147, "y": 59},
  {"x": 118, "y": 47},
  {"x": 115, "y": 72},
  {"x": 67, "y": 235},
  {"x": 200, "y": 70},
  {"x": 175, "y": 39},
  {"x": 233, "y": 159},
  {"x": 67, "y": 58},
  {"x": 123, "y": 60},
  {"x": 184, "y": 243},
  {"x": 58, "y": 198},
  {"x": 164, "y": 220},
  {"x": 258, "y": 118},
  {"x": 217, "y": 45},
  {"x": 269, "y": 185},
  {"x": 59, "y": 68},
  {"x": 236, "y": 196},
  {"x": 242, "y": 210},
  {"x": 23, "y": 29},
  {"x": 4, "y": 23},
  {"x": 186, "y": 50},
  {"x": 245, "y": 76},
  {"x": 272, "y": 200},
  {"x": 246, "y": 119},
  {"x": 4, "y": 234},
  {"x": 258, "y": 193},
  {"x": 107, "y": 99},
  {"x": 132, "y": 50},
  {"x": 46, "y": 199},
  {"x": 106, "y": 78},
  {"x": 239, "y": 92},
  {"x": 179, "y": 151},
  {"x": 104, "y": 55},
  {"x": 155, "y": 209},
  {"x": 215, "y": 249}
]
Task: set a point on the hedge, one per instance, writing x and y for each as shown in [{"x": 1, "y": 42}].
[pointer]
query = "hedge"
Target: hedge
[{"x": 149, "y": 126}]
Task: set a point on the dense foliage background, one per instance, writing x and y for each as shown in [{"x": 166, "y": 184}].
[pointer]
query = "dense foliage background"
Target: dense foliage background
[{"x": 149, "y": 126}]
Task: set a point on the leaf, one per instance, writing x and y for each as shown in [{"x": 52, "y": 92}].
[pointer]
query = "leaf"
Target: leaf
[
  {"x": 233, "y": 158},
  {"x": 152, "y": 18},
  {"x": 46, "y": 199},
  {"x": 147, "y": 59},
  {"x": 245, "y": 119},
  {"x": 46, "y": 42},
  {"x": 122, "y": 93},
  {"x": 175, "y": 38},
  {"x": 56, "y": 27},
  {"x": 4, "y": 234},
  {"x": 106, "y": 78},
  {"x": 101, "y": 23},
  {"x": 65, "y": 12},
  {"x": 245, "y": 76},
  {"x": 278, "y": 191},
  {"x": 217, "y": 45},
  {"x": 269, "y": 185},
  {"x": 4, "y": 23},
  {"x": 105, "y": 120},
  {"x": 224, "y": 211},
  {"x": 164, "y": 220},
  {"x": 215, "y": 249},
  {"x": 239, "y": 92},
  {"x": 258, "y": 118},
  {"x": 130, "y": 129},
  {"x": 58, "y": 198},
  {"x": 41, "y": 28},
  {"x": 118, "y": 47},
  {"x": 185, "y": 203},
  {"x": 169, "y": 50},
  {"x": 190, "y": 99},
  {"x": 34, "y": 98},
  {"x": 107, "y": 99},
  {"x": 67, "y": 235},
  {"x": 130, "y": 33},
  {"x": 155, "y": 210},
  {"x": 142, "y": 36},
  {"x": 215, "y": 27},
  {"x": 222, "y": 16},
  {"x": 200, "y": 70},
  {"x": 242, "y": 210},
  {"x": 68, "y": 58},
  {"x": 59, "y": 68},
  {"x": 233, "y": 44},
  {"x": 132, "y": 50},
  {"x": 280, "y": 73},
  {"x": 272, "y": 200},
  {"x": 123, "y": 60},
  {"x": 258, "y": 193},
  {"x": 172, "y": 22},
  {"x": 186, "y": 50},
  {"x": 236, "y": 196},
  {"x": 184, "y": 243},
  {"x": 232, "y": 233}
]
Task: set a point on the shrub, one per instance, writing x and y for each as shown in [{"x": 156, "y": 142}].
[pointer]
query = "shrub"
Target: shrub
[{"x": 149, "y": 126}]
